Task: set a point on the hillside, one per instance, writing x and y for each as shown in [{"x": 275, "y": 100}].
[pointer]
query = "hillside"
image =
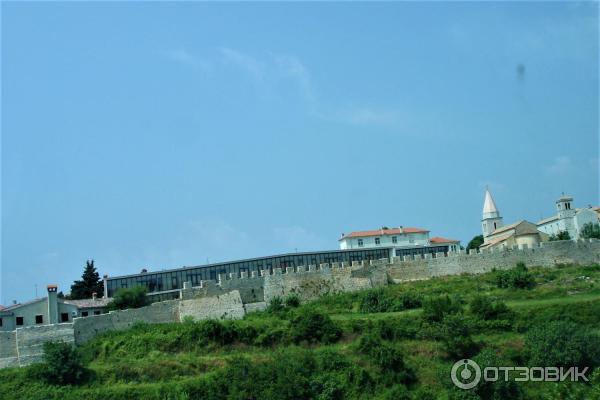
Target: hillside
[{"x": 398, "y": 342}]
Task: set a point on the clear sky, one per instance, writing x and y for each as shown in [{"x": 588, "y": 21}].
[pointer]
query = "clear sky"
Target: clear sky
[{"x": 159, "y": 135}]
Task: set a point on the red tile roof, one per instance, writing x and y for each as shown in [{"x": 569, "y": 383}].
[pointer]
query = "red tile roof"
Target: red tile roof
[
  {"x": 383, "y": 232},
  {"x": 438, "y": 239}
]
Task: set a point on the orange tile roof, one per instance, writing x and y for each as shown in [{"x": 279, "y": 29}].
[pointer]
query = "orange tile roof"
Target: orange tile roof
[
  {"x": 383, "y": 232},
  {"x": 438, "y": 239}
]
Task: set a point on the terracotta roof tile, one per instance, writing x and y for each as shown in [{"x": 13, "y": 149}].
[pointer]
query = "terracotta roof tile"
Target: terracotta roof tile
[
  {"x": 383, "y": 232},
  {"x": 438, "y": 239}
]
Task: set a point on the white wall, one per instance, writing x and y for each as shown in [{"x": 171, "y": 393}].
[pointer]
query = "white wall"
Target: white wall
[{"x": 405, "y": 239}]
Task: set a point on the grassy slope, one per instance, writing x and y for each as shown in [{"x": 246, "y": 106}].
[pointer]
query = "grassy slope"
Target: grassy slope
[{"x": 155, "y": 362}]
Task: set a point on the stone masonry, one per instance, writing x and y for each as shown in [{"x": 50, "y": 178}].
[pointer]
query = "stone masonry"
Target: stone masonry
[{"x": 233, "y": 297}]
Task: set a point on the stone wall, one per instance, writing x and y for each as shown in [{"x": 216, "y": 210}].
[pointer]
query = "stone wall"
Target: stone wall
[
  {"x": 232, "y": 297},
  {"x": 224, "y": 306},
  {"x": 548, "y": 254},
  {"x": 162, "y": 312}
]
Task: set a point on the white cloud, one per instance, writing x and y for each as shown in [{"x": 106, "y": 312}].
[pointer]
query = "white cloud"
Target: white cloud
[
  {"x": 244, "y": 61},
  {"x": 184, "y": 57},
  {"x": 560, "y": 166}
]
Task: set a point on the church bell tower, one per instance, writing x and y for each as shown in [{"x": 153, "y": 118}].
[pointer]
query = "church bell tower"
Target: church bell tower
[{"x": 491, "y": 216}]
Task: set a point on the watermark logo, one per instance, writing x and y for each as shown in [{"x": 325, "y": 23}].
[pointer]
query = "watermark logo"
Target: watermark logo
[{"x": 466, "y": 374}]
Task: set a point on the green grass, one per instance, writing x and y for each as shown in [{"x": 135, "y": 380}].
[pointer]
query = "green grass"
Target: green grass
[{"x": 195, "y": 360}]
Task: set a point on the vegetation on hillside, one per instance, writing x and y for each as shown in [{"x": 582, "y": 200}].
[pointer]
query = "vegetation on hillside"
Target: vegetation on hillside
[{"x": 397, "y": 342}]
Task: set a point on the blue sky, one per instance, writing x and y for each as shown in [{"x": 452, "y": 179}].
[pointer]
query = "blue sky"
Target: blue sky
[{"x": 166, "y": 134}]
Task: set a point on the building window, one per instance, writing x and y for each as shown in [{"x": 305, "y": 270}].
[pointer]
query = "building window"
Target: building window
[
  {"x": 84, "y": 313},
  {"x": 64, "y": 317},
  {"x": 0, "y": 321},
  {"x": 19, "y": 321},
  {"x": 377, "y": 241},
  {"x": 97, "y": 312},
  {"x": 494, "y": 226},
  {"x": 39, "y": 319},
  {"x": 394, "y": 239},
  {"x": 360, "y": 243}
]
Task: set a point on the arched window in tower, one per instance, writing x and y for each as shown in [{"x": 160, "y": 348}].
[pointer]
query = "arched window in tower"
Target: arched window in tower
[{"x": 494, "y": 226}]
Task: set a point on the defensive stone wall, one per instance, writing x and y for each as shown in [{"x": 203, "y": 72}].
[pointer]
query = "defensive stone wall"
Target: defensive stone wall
[
  {"x": 548, "y": 254},
  {"x": 232, "y": 296},
  {"x": 88, "y": 327}
]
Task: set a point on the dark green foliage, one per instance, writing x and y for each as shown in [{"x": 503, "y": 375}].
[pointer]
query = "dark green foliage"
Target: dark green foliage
[
  {"x": 436, "y": 308},
  {"x": 562, "y": 235},
  {"x": 90, "y": 283},
  {"x": 475, "y": 242},
  {"x": 389, "y": 359},
  {"x": 124, "y": 298},
  {"x": 590, "y": 231},
  {"x": 311, "y": 326},
  {"x": 276, "y": 305},
  {"x": 61, "y": 365},
  {"x": 292, "y": 301},
  {"x": 515, "y": 278},
  {"x": 563, "y": 344},
  {"x": 485, "y": 308},
  {"x": 381, "y": 300},
  {"x": 456, "y": 337},
  {"x": 500, "y": 389}
]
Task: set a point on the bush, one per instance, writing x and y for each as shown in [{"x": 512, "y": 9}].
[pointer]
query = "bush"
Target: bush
[
  {"x": 124, "y": 298},
  {"x": 456, "y": 337},
  {"x": 563, "y": 344},
  {"x": 590, "y": 231},
  {"x": 436, "y": 308},
  {"x": 380, "y": 300},
  {"x": 388, "y": 359},
  {"x": 499, "y": 389},
  {"x": 61, "y": 365},
  {"x": 292, "y": 301},
  {"x": 516, "y": 278},
  {"x": 562, "y": 235},
  {"x": 483, "y": 307},
  {"x": 312, "y": 326}
]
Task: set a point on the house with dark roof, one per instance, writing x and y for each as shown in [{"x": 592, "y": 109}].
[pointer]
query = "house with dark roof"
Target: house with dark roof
[{"x": 48, "y": 310}]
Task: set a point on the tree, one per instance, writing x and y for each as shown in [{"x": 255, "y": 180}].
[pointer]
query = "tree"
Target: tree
[
  {"x": 124, "y": 298},
  {"x": 90, "y": 283},
  {"x": 561, "y": 235},
  {"x": 590, "y": 231},
  {"x": 61, "y": 365},
  {"x": 475, "y": 242}
]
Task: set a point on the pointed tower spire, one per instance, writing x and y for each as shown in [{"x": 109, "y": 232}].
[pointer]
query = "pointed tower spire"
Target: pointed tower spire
[
  {"x": 491, "y": 216},
  {"x": 489, "y": 206}
]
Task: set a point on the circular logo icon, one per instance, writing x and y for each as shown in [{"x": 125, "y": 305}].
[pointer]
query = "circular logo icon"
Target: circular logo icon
[{"x": 465, "y": 374}]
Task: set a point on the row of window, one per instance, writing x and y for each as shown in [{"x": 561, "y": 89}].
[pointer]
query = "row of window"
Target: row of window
[
  {"x": 361, "y": 242},
  {"x": 170, "y": 280},
  {"x": 39, "y": 319}
]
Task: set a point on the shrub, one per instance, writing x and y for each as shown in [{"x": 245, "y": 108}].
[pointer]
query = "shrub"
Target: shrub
[
  {"x": 563, "y": 344},
  {"x": 312, "y": 326},
  {"x": 562, "y": 235},
  {"x": 388, "y": 359},
  {"x": 590, "y": 230},
  {"x": 61, "y": 365},
  {"x": 380, "y": 300},
  {"x": 276, "y": 305},
  {"x": 516, "y": 278},
  {"x": 456, "y": 337},
  {"x": 292, "y": 301},
  {"x": 124, "y": 298},
  {"x": 499, "y": 389},
  {"x": 436, "y": 308},
  {"x": 483, "y": 307}
]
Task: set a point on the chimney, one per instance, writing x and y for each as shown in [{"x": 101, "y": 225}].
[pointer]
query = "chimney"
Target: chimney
[
  {"x": 105, "y": 278},
  {"x": 94, "y": 294},
  {"x": 52, "y": 304}
]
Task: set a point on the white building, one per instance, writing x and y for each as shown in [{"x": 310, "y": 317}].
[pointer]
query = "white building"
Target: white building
[
  {"x": 401, "y": 241},
  {"x": 568, "y": 219}
]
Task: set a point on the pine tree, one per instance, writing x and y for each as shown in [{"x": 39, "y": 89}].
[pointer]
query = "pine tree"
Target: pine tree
[{"x": 90, "y": 282}]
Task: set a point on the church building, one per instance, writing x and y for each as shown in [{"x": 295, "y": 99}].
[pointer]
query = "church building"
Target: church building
[{"x": 568, "y": 219}]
